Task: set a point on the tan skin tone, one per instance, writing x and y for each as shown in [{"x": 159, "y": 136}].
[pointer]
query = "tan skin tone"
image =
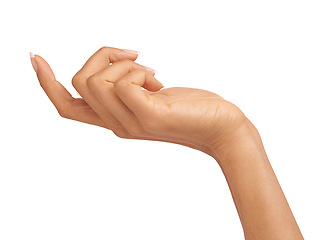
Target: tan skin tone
[{"x": 125, "y": 97}]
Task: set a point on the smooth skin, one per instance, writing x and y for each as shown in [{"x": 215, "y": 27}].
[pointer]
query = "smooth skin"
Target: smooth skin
[{"x": 125, "y": 97}]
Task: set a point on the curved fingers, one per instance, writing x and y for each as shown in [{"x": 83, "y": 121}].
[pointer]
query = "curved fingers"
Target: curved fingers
[
  {"x": 98, "y": 61},
  {"x": 100, "y": 85},
  {"x": 113, "y": 73},
  {"x": 141, "y": 103}
]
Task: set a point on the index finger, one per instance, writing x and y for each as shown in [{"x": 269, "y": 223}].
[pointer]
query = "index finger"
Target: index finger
[{"x": 67, "y": 106}]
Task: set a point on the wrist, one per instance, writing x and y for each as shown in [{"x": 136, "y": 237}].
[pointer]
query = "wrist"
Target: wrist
[{"x": 237, "y": 145}]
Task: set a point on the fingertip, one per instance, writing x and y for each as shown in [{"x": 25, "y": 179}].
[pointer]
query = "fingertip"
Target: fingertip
[
  {"x": 56, "y": 92},
  {"x": 158, "y": 86},
  {"x": 131, "y": 51},
  {"x": 33, "y": 61},
  {"x": 152, "y": 84},
  {"x": 43, "y": 68},
  {"x": 133, "y": 55}
]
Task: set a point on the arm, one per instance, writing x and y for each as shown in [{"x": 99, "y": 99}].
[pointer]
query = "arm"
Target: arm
[
  {"x": 258, "y": 197},
  {"x": 113, "y": 98}
]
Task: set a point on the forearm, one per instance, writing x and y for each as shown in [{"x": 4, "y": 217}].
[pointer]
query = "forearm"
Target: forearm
[{"x": 258, "y": 197}]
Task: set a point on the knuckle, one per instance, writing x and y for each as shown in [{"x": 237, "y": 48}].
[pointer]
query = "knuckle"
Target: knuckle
[
  {"x": 104, "y": 49},
  {"x": 91, "y": 82},
  {"x": 129, "y": 65},
  {"x": 120, "y": 84},
  {"x": 76, "y": 81},
  {"x": 140, "y": 73}
]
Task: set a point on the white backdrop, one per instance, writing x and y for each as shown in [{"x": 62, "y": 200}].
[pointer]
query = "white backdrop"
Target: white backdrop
[{"x": 61, "y": 179}]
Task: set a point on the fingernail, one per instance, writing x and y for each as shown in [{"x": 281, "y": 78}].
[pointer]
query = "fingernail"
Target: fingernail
[
  {"x": 33, "y": 62},
  {"x": 131, "y": 51},
  {"x": 159, "y": 83},
  {"x": 149, "y": 69}
]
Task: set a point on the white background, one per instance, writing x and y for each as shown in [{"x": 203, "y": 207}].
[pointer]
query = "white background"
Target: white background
[{"x": 61, "y": 179}]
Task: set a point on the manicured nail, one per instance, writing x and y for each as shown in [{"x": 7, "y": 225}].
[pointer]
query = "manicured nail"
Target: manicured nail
[
  {"x": 131, "y": 51},
  {"x": 149, "y": 69},
  {"x": 33, "y": 62},
  {"x": 160, "y": 83}
]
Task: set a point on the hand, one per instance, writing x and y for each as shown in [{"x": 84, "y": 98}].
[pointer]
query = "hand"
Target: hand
[
  {"x": 113, "y": 98},
  {"x": 110, "y": 84}
]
